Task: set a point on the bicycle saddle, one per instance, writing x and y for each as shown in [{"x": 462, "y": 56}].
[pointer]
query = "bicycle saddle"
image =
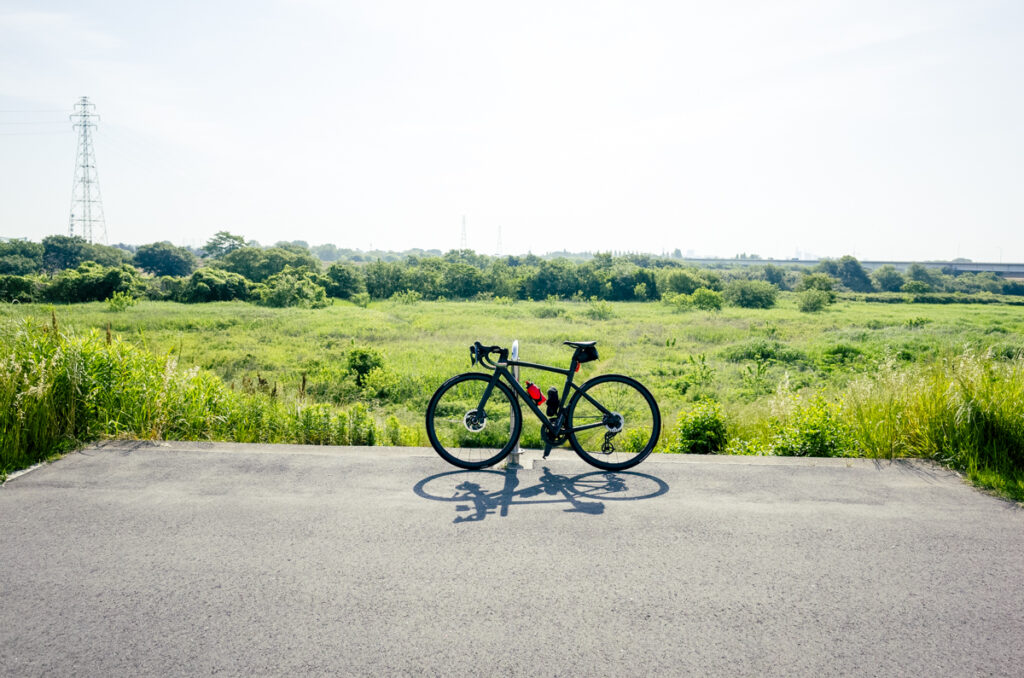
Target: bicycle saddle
[{"x": 579, "y": 344}]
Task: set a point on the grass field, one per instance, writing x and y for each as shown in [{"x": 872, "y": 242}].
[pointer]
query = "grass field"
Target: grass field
[{"x": 760, "y": 365}]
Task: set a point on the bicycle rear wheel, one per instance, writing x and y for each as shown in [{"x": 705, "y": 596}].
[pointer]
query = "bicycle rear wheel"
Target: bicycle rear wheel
[
  {"x": 463, "y": 434},
  {"x": 614, "y": 422}
]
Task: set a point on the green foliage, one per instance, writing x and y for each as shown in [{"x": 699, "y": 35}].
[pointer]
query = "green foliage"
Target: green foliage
[
  {"x": 222, "y": 243},
  {"x": 677, "y": 302},
  {"x": 599, "y": 310},
  {"x": 362, "y": 360},
  {"x": 701, "y": 430},
  {"x": 360, "y": 299},
  {"x": 163, "y": 258},
  {"x": 19, "y": 289},
  {"x": 887, "y": 278},
  {"x": 344, "y": 281},
  {"x": 292, "y": 287},
  {"x": 62, "y": 252},
  {"x": 815, "y": 429},
  {"x": 20, "y": 257},
  {"x": 406, "y": 297},
  {"x": 706, "y": 299},
  {"x": 120, "y": 301},
  {"x": 915, "y": 287},
  {"x": 90, "y": 282},
  {"x": 750, "y": 293},
  {"x": 58, "y": 391},
  {"x": 213, "y": 284},
  {"x": 258, "y": 265},
  {"x": 814, "y": 301},
  {"x": 818, "y": 282},
  {"x": 762, "y": 349}
]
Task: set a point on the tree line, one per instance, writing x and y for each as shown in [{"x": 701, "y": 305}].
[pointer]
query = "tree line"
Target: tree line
[{"x": 64, "y": 269}]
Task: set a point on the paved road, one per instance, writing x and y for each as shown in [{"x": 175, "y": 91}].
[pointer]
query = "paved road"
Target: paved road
[{"x": 193, "y": 559}]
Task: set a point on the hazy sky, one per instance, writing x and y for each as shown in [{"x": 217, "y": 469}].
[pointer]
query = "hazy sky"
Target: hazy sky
[{"x": 884, "y": 129}]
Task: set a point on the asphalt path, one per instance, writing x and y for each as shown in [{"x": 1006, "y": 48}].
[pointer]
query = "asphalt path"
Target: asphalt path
[{"x": 202, "y": 559}]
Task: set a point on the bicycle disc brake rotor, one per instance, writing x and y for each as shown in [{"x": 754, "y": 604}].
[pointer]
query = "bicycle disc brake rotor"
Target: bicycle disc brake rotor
[{"x": 474, "y": 422}]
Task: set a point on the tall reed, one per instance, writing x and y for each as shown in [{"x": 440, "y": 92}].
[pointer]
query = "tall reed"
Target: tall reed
[{"x": 60, "y": 390}]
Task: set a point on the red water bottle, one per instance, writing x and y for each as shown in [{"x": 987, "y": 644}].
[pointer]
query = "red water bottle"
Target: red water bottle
[{"x": 535, "y": 393}]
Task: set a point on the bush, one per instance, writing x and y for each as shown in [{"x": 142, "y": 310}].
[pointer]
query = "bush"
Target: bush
[
  {"x": 362, "y": 360},
  {"x": 814, "y": 430},
  {"x": 406, "y": 297},
  {"x": 214, "y": 284},
  {"x": 915, "y": 287},
  {"x": 599, "y": 310},
  {"x": 706, "y": 299},
  {"x": 700, "y": 431},
  {"x": 814, "y": 301},
  {"x": 360, "y": 299},
  {"x": 292, "y": 287},
  {"x": 21, "y": 289},
  {"x": 120, "y": 301},
  {"x": 751, "y": 293},
  {"x": 762, "y": 350}
]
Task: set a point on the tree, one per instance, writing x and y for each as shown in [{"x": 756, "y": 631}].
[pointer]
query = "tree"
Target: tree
[
  {"x": 20, "y": 257},
  {"x": 853, "y": 275},
  {"x": 61, "y": 252},
  {"x": 750, "y": 293},
  {"x": 706, "y": 299},
  {"x": 292, "y": 287},
  {"x": 221, "y": 243},
  {"x": 887, "y": 278},
  {"x": 383, "y": 279},
  {"x": 214, "y": 284},
  {"x": 163, "y": 258},
  {"x": 344, "y": 281},
  {"x": 258, "y": 264}
]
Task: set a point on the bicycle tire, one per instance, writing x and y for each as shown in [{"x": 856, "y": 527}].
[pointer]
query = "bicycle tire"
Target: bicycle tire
[
  {"x": 450, "y": 422},
  {"x": 639, "y": 426}
]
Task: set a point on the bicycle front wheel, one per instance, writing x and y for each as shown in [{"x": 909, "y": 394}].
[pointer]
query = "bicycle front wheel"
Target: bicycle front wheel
[
  {"x": 614, "y": 422},
  {"x": 466, "y": 434}
]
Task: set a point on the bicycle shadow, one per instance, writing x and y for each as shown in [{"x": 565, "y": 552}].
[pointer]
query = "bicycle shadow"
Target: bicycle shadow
[{"x": 479, "y": 494}]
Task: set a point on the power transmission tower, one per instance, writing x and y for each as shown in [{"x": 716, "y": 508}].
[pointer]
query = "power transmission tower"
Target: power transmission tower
[
  {"x": 498, "y": 249},
  {"x": 462, "y": 242},
  {"x": 86, "y": 205}
]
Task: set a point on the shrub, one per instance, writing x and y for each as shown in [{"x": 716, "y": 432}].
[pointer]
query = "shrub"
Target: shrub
[
  {"x": 915, "y": 287},
  {"x": 406, "y": 297},
  {"x": 214, "y": 284},
  {"x": 814, "y": 301},
  {"x": 761, "y": 350},
  {"x": 16, "y": 288},
  {"x": 292, "y": 287},
  {"x": 120, "y": 301},
  {"x": 814, "y": 430},
  {"x": 548, "y": 310},
  {"x": 706, "y": 299},
  {"x": 677, "y": 302},
  {"x": 598, "y": 309},
  {"x": 363, "y": 359},
  {"x": 700, "y": 430},
  {"x": 751, "y": 293},
  {"x": 360, "y": 299}
]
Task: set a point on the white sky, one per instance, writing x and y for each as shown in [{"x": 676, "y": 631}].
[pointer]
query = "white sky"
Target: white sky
[{"x": 884, "y": 129}]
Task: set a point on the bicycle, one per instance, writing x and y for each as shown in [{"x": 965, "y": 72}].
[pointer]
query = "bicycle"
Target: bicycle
[{"x": 474, "y": 420}]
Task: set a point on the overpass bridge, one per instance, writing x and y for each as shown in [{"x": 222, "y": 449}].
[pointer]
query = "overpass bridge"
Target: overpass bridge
[{"x": 1007, "y": 269}]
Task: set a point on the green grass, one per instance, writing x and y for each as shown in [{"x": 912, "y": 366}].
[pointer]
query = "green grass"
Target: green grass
[{"x": 755, "y": 363}]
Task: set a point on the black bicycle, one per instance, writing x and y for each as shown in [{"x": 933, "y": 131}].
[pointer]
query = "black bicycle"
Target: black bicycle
[{"x": 474, "y": 419}]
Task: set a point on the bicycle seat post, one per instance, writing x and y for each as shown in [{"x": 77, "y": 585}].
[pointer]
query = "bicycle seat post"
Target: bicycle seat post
[{"x": 513, "y": 457}]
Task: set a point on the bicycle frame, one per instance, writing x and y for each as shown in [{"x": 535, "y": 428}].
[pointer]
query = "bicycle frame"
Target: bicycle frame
[{"x": 501, "y": 369}]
